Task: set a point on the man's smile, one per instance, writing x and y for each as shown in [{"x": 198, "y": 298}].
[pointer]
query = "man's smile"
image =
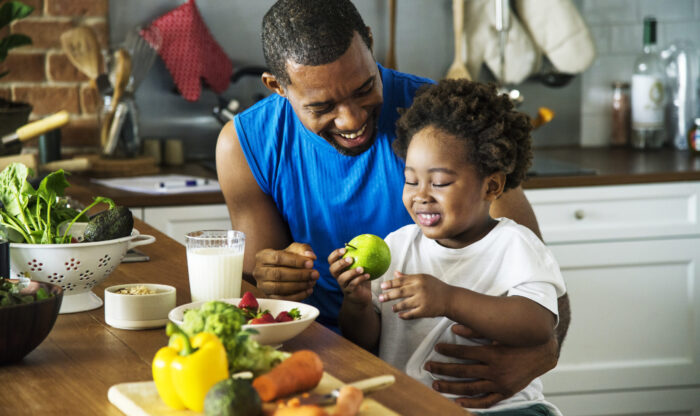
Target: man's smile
[
  {"x": 354, "y": 135},
  {"x": 354, "y": 142}
]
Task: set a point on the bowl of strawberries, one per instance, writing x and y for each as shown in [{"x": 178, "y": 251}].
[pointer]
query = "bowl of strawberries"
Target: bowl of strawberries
[{"x": 276, "y": 321}]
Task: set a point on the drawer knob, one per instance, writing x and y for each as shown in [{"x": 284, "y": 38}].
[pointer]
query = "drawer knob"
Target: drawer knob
[{"x": 579, "y": 214}]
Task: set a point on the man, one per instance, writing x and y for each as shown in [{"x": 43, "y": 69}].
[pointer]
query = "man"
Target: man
[{"x": 311, "y": 166}]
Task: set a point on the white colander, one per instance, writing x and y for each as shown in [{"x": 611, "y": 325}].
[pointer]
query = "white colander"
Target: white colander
[{"x": 76, "y": 267}]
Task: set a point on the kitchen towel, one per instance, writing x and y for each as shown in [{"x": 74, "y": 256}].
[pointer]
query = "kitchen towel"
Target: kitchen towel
[
  {"x": 521, "y": 56},
  {"x": 559, "y": 32},
  {"x": 190, "y": 52},
  {"x": 551, "y": 28}
]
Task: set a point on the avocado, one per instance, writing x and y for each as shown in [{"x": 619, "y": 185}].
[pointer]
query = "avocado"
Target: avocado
[
  {"x": 232, "y": 397},
  {"x": 113, "y": 223}
]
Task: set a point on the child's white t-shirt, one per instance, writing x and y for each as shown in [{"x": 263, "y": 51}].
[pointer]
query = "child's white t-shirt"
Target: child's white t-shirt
[{"x": 510, "y": 260}]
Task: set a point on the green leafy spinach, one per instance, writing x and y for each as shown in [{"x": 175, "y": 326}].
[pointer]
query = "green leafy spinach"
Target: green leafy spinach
[{"x": 37, "y": 216}]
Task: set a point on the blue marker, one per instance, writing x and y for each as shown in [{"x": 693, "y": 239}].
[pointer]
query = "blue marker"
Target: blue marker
[{"x": 183, "y": 183}]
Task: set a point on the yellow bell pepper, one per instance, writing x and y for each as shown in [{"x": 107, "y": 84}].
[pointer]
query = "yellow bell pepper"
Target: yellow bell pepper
[{"x": 187, "y": 368}]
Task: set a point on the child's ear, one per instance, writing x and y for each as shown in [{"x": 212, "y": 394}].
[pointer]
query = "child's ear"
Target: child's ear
[{"x": 494, "y": 185}]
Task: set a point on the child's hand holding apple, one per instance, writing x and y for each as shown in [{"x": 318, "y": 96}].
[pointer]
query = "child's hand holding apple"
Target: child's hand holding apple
[{"x": 366, "y": 257}]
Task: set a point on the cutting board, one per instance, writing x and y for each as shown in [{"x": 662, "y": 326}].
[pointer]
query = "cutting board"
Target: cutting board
[
  {"x": 116, "y": 168},
  {"x": 141, "y": 399}
]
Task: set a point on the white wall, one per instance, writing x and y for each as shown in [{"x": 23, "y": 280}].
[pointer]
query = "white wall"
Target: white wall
[{"x": 616, "y": 26}]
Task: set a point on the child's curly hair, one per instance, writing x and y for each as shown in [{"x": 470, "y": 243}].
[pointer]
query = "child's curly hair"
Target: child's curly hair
[{"x": 496, "y": 137}]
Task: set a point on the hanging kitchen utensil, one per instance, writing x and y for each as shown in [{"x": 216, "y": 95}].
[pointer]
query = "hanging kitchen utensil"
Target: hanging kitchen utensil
[
  {"x": 391, "y": 53},
  {"x": 83, "y": 50},
  {"x": 503, "y": 26},
  {"x": 143, "y": 53},
  {"x": 227, "y": 109},
  {"x": 123, "y": 137},
  {"x": 550, "y": 77},
  {"x": 34, "y": 129},
  {"x": 122, "y": 72},
  {"x": 458, "y": 69}
]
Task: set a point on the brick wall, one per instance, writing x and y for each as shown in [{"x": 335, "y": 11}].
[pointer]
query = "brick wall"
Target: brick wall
[{"x": 42, "y": 75}]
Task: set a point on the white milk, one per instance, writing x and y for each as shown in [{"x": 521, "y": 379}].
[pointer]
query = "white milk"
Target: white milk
[{"x": 215, "y": 273}]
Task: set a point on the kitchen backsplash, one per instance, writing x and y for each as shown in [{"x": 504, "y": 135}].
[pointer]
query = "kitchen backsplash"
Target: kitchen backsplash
[
  {"x": 424, "y": 46},
  {"x": 616, "y": 26}
]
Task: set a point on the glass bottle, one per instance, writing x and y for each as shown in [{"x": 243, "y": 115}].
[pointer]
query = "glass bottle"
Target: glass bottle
[
  {"x": 648, "y": 96},
  {"x": 620, "y": 127}
]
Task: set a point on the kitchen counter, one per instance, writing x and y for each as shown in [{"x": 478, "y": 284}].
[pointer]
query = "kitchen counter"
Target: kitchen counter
[
  {"x": 590, "y": 167},
  {"x": 617, "y": 166},
  {"x": 71, "y": 371}
]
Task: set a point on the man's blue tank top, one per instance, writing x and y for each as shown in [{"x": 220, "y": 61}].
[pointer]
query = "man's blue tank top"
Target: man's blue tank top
[{"x": 325, "y": 197}]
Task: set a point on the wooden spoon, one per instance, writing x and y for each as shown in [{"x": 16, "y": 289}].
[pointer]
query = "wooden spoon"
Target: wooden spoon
[
  {"x": 458, "y": 69},
  {"x": 81, "y": 46},
  {"x": 122, "y": 72},
  {"x": 391, "y": 54}
]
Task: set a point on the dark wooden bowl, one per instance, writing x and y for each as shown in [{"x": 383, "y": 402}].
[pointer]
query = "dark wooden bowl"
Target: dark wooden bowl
[{"x": 23, "y": 327}]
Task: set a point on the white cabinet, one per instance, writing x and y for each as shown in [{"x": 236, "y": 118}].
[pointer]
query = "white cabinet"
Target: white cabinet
[
  {"x": 630, "y": 256},
  {"x": 175, "y": 222}
]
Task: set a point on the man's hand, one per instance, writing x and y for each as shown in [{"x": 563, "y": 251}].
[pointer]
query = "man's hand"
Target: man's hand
[
  {"x": 501, "y": 371},
  {"x": 286, "y": 274},
  {"x": 422, "y": 295}
]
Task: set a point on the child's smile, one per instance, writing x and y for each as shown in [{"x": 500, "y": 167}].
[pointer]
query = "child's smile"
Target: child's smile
[
  {"x": 443, "y": 192},
  {"x": 427, "y": 219}
]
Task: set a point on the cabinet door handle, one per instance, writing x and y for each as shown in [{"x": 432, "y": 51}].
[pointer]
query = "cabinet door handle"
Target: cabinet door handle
[{"x": 579, "y": 214}]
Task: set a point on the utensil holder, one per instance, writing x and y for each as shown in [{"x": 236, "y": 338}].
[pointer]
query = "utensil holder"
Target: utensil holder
[{"x": 123, "y": 140}]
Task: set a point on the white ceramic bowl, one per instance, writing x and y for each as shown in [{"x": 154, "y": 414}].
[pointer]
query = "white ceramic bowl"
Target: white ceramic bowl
[
  {"x": 76, "y": 267},
  {"x": 139, "y": 311},
  {"x": 268, "y": 334}
]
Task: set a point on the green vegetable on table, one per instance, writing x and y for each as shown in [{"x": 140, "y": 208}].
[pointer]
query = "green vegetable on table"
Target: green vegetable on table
[
  {"x": 115, "y": 222},
  {"x": 11, "y": 293},
  {"x": 226, "y": 321},
  {"x": 232, "y": 397},
  {"x": 35, "y": 216}
]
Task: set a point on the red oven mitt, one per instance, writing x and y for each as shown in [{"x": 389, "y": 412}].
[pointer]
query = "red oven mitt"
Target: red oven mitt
[{"x": 190, "y": 52}]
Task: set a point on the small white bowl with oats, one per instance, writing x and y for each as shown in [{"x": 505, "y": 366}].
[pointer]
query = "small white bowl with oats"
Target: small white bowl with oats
[{"x": 138, "y": 305}]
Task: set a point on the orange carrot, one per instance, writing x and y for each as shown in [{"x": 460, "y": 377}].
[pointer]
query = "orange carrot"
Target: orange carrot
[
  {"x": 349, "y": 401},
  {"x": 300, "y": 411},
  {"x": 300, "y": 372}
]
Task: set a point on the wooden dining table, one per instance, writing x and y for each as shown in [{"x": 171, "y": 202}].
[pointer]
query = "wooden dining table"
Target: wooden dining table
[{"x": 70, "y": 372}]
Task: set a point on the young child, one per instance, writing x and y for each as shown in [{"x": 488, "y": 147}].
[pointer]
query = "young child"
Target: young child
[{"x": 464, "y": 145}]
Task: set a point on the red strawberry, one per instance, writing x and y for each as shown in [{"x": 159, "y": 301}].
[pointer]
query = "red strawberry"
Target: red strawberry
[
  {"x": 265, "y": 318},
  {"x": 248, "y": 301},
  {"x": 285, "y": 316}
]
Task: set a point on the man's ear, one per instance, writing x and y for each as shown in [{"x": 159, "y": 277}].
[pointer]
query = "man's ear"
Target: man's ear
[
  {"x": 272, "y": 84},
  {"x": 494, "y": 185}
]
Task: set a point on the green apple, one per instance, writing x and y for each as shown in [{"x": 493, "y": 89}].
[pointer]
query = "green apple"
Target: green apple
[{"x": 369, "y": 252}]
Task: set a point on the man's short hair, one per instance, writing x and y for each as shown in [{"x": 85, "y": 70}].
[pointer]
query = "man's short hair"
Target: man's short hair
[{"x": 309, "y": 32}]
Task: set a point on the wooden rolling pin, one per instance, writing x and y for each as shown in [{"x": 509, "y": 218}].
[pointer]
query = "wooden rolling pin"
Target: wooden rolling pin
[{"x": 36, "y": 128}]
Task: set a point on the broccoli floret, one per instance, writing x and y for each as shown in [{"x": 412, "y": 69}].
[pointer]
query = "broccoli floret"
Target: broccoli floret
[{"x": 225, "y": 321}]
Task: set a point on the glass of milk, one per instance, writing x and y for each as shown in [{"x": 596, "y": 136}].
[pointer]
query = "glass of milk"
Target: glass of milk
[{"x": 215, "y": 264}]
